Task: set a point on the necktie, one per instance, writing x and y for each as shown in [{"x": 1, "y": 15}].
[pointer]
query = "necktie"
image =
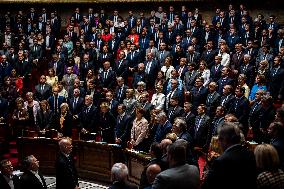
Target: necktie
[
  {"x": 75, "y": 103},
  {"x": 198, "y": 124},
  {"x": 105, "y": 75},
  {"x": 120, "y": 62},
  {"x": 148, "y": 67},
  {"x": 55, "y": 104},
  {"x": 42, "y": 88}
]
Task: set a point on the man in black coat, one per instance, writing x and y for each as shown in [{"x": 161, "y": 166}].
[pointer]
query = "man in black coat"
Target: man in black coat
[
  {"x": 66, "y": 173},
  {"x": 32, "y": 178},
  {"x": 88, "y": 116},
  {"x": 236, "y": 167},
  {"x": 240, "y": 108},
  {"x": 122, "y": 127},
  {"x": 7, "y": 179},
  {"x": 42, "y": 90}
]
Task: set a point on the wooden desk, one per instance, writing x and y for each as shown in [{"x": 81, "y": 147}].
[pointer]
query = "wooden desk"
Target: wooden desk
[{"x": 93, "y": 160}]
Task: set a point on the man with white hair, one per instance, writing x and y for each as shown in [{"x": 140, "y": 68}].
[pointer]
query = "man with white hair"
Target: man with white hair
[
  {"x": 66, "y": 173},
  {"x": 119, "y": 174}
]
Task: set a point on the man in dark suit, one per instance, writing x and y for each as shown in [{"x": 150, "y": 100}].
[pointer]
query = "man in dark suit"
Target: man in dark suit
[
  {"x": 32, "y": 178},
  {"x": 213, "y": 99},
  {"x": 276, "y": 78},
  {"x": 23, "y": 68},
  {"x": 76, "y": 103},
  {"x": 198, "y": 93},
  {"x": 188, "y": 115},
  {"x": 55, "y": 101},
  {"x": 151, "y": 70},
  {"x": 113, "y": 43},
  {"x": 175, "y": 110},
  {"x": 215, "y": 72},
  {"x": 227, "y": 98},
  {"x": 237, "y": 163},
  {"x": 7, "y": 179},
  {"x": 224, "y": 80},
  {"x": 179, "y": 175},
  {"x": 240, "y": 108},
  {"x": 164, "y": 127},
  {"x": 209, "y": 54},
  {"x": 133, "y": 57},
  {"x": 201, "y": 132},
  {"x": 121, "y": 66},
  {"x": 104, "y": 56},
  {"x": 248, "y": 69},
  {"x": 77, "y": 15},
  {"x": 57, "y": 65},
  {"x": 107, "y": 77},
  {"x": 122, "y": 127},
  {"x": 88, "y": 116},
  {"x": 120, "y": 92},
  {"x": 85, "y": 66},
  {"x": 42, "y": 90},
  {"x": 36, "y": 50},
  {"x": 119, "y": 175},
  {"x": 113, "y": 103},
  {"x": 66, "y": 173}
]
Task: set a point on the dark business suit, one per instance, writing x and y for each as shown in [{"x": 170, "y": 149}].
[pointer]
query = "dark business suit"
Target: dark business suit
[
  {"x": 108, "y": 79},
  {"x": 235, "y": 168},
  {"x": 88, "y": 119},
  {"x": 43, "y": 119},
  {"x": 151, "y": 70},
  {"x": 174, "y": 112},
  {"x": 180, "y": 177},
  {"x": 226, "y": 101},
  {"x": 215, "y": 72},
  {"x": 121, "y": 68},
  {"x": 5, "y": 185},
  {"x": 240, "y": 108},
  {"x": 42, "y": 94},
  {"x": 276, "y": 79},
  {"x": 208, "y": 56},
  {"x": 29, "y": 180},
  {"x": 222, "y": 82},
  {"x": 120, "y": 93},
  {"x": 201, "y": 132},
  {"x": 198, "y": 96},
  {"x": 212, "y": 101},
  {"x": 52, "y": 103},
  {"x": 66, "y": 173},
  {"x": 122, "y": 128},
  {"x": 75, "y": 107}
]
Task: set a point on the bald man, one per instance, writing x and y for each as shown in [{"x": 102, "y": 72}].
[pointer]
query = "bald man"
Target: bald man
[
  {"x": 151, "y": 173},
  {"x": 66, "y": 173}
]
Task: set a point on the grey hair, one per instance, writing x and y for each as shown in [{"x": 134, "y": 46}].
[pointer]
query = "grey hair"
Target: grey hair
[
  {"x": 180, "y": 123},
  {"x": 27, "y": 162},
  {"x": 119, "y": 172},
  {"x": 161, "y": 114}
]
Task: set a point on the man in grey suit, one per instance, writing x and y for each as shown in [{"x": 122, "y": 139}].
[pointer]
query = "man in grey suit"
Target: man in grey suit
[
  {"x": 163, "y": 54},
  {"x": 180, "y": 175}
]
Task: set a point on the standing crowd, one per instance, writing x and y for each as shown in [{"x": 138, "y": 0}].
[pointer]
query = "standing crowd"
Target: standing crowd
[{"x": 167, "y": 83}]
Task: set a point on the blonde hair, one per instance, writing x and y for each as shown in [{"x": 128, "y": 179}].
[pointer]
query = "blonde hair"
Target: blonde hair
[{"x": 266, "y": 157}]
